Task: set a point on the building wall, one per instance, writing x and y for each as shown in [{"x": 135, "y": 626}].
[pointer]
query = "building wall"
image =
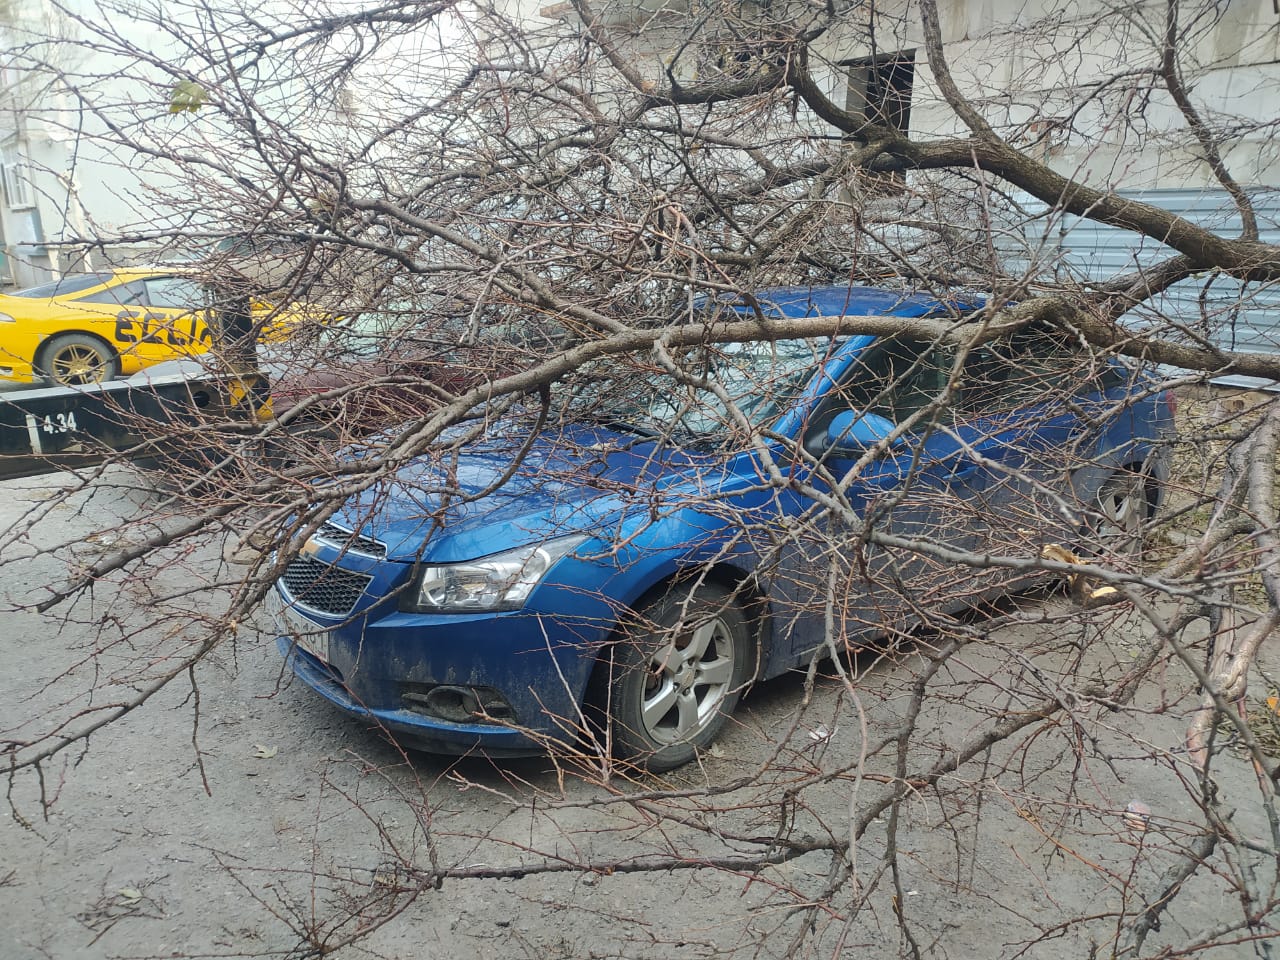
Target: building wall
[
  {"x": 78, "y": 185},
  {"x": 1023, "y": 61},
  {"x": 1041, "y": 74},
  {"x": 1064, "y": 83}
]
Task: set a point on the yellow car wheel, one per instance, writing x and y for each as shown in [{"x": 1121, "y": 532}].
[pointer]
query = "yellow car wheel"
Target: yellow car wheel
[{"x": 76, "y": 359}]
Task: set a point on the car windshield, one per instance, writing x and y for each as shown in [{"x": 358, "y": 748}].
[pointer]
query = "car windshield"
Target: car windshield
[
  {"x": 63, "y": 286},
  {"x": 442, "y": 333},
  {"x": 364, "y": 334},
  {"x": 761, "y": 379}
]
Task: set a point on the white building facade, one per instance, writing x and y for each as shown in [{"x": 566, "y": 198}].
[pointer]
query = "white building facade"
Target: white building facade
[{"x": 62, "y": 181}]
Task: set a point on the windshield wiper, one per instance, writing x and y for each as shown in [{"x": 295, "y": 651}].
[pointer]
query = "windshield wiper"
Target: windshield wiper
[
  {"x": 622, "y": 425},
  {"x": 676, "y": 438}
]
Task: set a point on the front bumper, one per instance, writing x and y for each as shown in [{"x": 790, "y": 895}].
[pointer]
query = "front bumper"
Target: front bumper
[
  {"x": 432, "y": 735},
  {"x": 527, "y": 668},
  {"x": 14, "y": 370}
]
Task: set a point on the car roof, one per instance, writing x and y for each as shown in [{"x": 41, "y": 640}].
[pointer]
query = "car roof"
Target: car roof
[
  {"x": 845, "y": 300},
  {"x": 106, "y": 277},
  {"x": 141, "y": 273}
]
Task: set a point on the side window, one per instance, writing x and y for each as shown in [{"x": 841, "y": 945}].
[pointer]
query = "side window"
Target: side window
[
  {"x": 1029, "y": 368},
  {"x": 363, "y": 335},
  {"x": 174, "y": 293},
  {"x": 124, "y": 295},
  {"x": 894, "y": 378},
  {"x": 897, "y": 377}
]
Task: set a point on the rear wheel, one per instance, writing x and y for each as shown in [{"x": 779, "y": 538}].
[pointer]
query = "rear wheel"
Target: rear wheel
[
  {"x": 674, "y": 680},
  {"x": 77, "y": 359},
  {"x": 1124, "y": 505}
]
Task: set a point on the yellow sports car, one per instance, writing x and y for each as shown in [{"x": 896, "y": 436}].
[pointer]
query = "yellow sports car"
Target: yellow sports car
[{"x": 97, "y": 326}]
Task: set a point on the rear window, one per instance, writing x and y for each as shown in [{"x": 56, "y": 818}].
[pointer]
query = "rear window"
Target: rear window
[
  {"x": 63, "y": 286},
  {"x": 122, "y": 294}
]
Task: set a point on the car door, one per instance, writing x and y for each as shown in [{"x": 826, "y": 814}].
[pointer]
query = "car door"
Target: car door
[
  {"x": 1027, "y": 397},
  {"x": 152, "y": 318},
  {"x": 173, "y": 319},
  {"x": 918, "y": 504},
  {"x": 117, "y": 311}
]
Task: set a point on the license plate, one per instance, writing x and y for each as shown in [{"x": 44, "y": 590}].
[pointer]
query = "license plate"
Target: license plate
[{"x": 308, "y": 635}]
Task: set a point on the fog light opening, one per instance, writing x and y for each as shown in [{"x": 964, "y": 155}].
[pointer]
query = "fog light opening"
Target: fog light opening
[
  {"x": 453, "y": 703},
  {"x": 458, "y": 704}
]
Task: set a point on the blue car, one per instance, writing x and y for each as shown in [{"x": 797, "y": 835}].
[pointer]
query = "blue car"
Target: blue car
[{"x": 622, "y": 577}]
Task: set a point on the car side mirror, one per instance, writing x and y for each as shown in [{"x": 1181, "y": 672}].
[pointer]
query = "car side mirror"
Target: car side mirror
[{"x": 853, "y": 428}]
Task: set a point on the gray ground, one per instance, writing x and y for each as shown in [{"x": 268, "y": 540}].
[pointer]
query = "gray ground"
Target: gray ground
[{"x": 310, "y": 826}]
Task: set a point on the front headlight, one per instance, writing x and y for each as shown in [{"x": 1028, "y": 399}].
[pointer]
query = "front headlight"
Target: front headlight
[
  {"x": 5, "y": 318},
  {"x": 502, "y": 581}
]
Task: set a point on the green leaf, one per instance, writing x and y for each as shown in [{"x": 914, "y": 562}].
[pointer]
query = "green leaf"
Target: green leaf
[{"x": 187, "y": 95}]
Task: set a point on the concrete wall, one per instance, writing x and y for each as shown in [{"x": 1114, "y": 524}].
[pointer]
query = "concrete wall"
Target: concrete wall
[
  {"x": 1045, "y": 75},
  {"x": 77, "y": 184}
]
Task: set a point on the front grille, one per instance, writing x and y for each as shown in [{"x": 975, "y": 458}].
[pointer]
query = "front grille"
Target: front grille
[
  {"x": 323, "y": 587},
  {"x": 336, "y": 536}
]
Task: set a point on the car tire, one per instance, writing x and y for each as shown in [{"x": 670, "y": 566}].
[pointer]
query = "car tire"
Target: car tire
[
  {"x": 77, "y": 359},
  {"x": 675, "y": 676},
  {"x": 1121, "y": 510}
]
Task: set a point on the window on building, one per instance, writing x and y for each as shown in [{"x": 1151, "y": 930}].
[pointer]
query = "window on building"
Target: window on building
[
  {"x": 17, "y": 181},
  {"x": 8, "y": 73},
  {"x": 880, "y": 88}
]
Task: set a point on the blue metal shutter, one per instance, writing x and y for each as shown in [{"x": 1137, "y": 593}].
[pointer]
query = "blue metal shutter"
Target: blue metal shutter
[{"x": 1224, "y": 311}]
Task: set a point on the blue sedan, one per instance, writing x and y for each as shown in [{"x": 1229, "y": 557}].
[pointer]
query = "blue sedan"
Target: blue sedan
[{"x": 629, "y": 574}]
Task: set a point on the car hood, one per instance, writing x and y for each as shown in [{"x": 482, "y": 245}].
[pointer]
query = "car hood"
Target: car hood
[
  {"x": 273, "y": 361},
  {"x": 451, "y": 507}
]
